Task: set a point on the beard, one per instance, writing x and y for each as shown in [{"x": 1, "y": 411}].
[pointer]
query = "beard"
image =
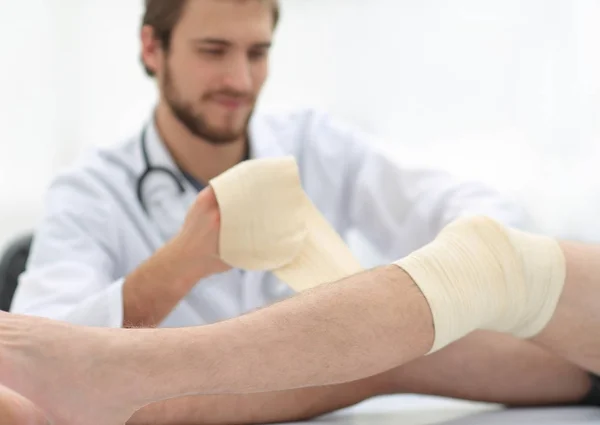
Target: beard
[{"x": 196, "y": 123}]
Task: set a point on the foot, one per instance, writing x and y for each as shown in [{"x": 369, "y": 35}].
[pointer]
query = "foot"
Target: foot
[
  {"x": 17, "y": 410},
  {"x": 68, "y": 372}
]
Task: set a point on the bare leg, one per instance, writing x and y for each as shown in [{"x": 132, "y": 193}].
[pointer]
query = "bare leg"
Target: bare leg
[
  {"x": 484, "y": 366},
  {"x": 300, "y": 342},
  {"x": 342, "y": 332},
  {"x": 260, "y": 408},
  {"x": 16, "y": 410},
  {"x": 496, "y": 368},
  {"x": 362, "y": 326},
  {"x": 574, "y": 332}
]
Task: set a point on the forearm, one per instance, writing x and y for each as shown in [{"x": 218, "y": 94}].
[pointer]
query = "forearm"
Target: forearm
[
  {"x": 259, "y": 408},
  {"x": 152, "y": 291}
]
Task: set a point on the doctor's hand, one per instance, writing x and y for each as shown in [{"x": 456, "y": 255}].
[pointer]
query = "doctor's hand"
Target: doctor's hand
[
  {"x": 198, "y": 238},
  {"x": 153, "y": 290}
]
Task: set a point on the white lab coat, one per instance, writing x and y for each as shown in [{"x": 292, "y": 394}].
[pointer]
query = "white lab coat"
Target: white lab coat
[{"x": 94, "y": 231}]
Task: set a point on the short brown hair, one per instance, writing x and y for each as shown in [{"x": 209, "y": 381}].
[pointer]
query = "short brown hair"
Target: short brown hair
[{"x": 163, "y": 15}]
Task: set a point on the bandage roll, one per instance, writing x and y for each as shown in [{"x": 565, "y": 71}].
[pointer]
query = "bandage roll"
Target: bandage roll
[{"x": 269, "y": 223}]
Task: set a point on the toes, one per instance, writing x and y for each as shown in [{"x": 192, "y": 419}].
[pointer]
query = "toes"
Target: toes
[{"x": 17, "y": 410}]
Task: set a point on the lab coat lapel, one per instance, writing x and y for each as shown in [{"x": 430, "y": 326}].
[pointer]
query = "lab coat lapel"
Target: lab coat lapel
[
  {"x": 263, "y": 140},
  {"x": 166, "y": 205}
]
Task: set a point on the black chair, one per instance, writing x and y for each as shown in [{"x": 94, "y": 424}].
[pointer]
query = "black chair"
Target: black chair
[{"x": 12, "y": 264}]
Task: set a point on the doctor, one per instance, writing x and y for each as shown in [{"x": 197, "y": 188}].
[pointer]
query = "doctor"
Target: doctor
[{"x": 122, "y": 241}]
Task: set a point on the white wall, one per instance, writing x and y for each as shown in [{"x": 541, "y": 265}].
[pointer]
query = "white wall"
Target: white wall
[
  {"x": 28, "y": 98},
  {"x": 507, "y": 91}
]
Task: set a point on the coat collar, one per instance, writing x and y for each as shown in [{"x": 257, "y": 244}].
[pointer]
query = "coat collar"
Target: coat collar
[
  {"x": 263, "y": 144},
  {"x": 167, "y": 206}
]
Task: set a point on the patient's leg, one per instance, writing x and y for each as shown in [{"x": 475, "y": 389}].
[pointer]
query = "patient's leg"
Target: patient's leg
[
  {"x": 574, "y": 331},
  {"x": 347, "y": 330},
  {"x": 16, "y": 410}
]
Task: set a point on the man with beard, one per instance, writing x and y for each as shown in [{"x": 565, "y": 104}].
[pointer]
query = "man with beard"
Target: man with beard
[{"x": 127, "y": 239}]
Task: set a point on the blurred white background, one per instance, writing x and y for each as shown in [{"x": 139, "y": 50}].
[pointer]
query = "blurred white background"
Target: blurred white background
[{"x": 507, "y": 91}]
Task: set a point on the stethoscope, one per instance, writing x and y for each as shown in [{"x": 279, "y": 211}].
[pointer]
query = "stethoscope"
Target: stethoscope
[{"x": 149, "y": 169}]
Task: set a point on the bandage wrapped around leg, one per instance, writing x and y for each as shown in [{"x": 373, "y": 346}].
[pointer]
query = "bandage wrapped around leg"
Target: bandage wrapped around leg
[{"x": 478, "y": 274}]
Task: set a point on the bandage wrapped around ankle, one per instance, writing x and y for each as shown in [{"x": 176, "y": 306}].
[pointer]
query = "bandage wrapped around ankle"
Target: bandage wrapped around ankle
[{"x": 478, "y": 274}]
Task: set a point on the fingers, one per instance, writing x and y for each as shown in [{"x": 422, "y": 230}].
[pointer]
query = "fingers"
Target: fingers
[{"x": 207, "y": 197}]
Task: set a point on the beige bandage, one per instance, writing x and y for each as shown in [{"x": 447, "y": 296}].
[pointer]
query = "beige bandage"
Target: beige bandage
[
  {"x": 478, "y": 274},
  {"x": 268, "y": 223}
]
